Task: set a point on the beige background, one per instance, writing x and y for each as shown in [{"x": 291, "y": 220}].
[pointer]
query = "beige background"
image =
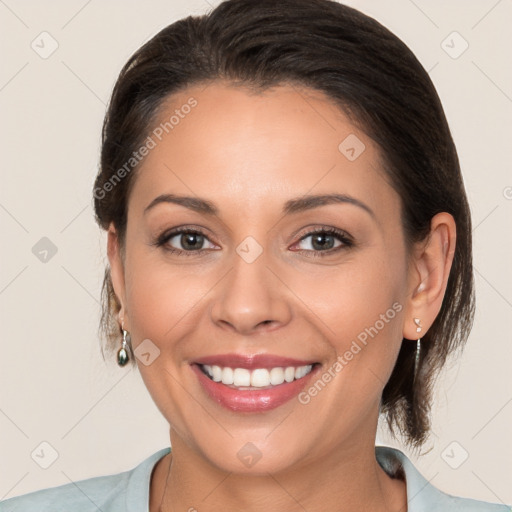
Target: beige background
[{"x": 99, "y": 418}]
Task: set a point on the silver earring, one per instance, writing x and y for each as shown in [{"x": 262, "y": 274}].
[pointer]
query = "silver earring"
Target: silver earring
[
  {"x": 122, "y": 354},
  {"x": 417, "y": 321}
]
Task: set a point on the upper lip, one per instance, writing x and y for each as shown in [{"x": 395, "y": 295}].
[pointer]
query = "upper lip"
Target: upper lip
[{"x": 252, "y": 362}]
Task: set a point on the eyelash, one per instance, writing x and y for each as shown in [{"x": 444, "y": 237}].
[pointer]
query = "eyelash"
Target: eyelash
[{"x": 340, "y": 235}]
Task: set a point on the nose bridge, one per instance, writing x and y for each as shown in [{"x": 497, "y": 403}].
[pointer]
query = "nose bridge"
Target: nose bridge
[{"x": 251, "y": 297}]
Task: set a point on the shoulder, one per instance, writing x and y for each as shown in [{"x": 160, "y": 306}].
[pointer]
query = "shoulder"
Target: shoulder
[
  {"x": 422, "y": 496},
  {"x": 85, "y": 495},
  {"x": 124, "y": 492}
]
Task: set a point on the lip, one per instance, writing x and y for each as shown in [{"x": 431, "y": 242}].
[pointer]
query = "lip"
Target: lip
[
  {"x": 257, "y": 400},
  {"x": 252, "y": 362}
]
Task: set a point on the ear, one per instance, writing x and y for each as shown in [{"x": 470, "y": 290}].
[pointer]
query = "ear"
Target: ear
[
  {"x": 115, "y": 259},
  {"x": 428, "y": 276}
]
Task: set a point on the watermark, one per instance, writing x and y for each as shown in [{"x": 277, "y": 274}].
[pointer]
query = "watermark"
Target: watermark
[
  {"x": 174, "y": 120},
  {"x": 455, "y": 455},
  {"x": 249, "y": 454},
  {"x": 150, "y": 143},
  {"x": 44, "y": 455},
  {"x": 351, "y": 147},
  {"x": 44, "y": 45},
  {"x": 249, "y": 249},
  {"x": 454, "y": 45},
  {"x": 146, "y": 352},
  {"x": 44, "y": 250},
  {"x": 355, "y": 347}
]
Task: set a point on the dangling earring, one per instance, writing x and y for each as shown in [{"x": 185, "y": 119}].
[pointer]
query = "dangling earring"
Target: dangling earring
[
  {"x": 417, "y": 321},
  {"x": 122, "y": 354}
]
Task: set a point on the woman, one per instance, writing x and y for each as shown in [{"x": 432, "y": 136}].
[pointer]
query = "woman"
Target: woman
[{"x": 289, "y": 246}]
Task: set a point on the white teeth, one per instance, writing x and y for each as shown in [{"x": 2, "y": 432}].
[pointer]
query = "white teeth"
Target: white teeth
[
  {"x": 227, "y": 376},
  {"x": 300, "y": 372},
  {"x": 276, "y": 376},
  {"x": 259, "y": 378},
  {"x": 289, "y": 374},
  {"x": 216, "y": 373},
  {"x": 241, "y": 377}
]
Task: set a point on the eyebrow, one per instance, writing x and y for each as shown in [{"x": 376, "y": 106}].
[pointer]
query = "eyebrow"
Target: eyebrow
[{"x": 295, "y": 205}]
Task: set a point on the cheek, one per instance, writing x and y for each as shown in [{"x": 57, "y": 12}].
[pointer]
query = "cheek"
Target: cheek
[
  {"x": 359, "y": 309},
  {"x": 160, "y": 299},
  {"x": 163, "y": 303},
  {"x": 353, "y": 296}
]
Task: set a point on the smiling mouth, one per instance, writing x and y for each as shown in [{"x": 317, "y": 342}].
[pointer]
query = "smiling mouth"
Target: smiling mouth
[{"x": 258, "y": 378}]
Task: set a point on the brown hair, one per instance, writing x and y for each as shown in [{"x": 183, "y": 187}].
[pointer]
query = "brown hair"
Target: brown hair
[{"x": 370, "y": 74}]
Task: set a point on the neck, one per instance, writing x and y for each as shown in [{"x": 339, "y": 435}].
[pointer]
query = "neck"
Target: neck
[{"x": 348, "y": 478}]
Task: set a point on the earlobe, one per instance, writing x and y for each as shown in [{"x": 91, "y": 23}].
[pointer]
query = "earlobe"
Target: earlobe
[
  {"x": 429, "y": 276},
  {"x": 117, "y": 270}
]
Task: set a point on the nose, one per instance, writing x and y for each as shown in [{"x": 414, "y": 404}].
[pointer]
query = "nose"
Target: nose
[{"x": 251, "y": 298}]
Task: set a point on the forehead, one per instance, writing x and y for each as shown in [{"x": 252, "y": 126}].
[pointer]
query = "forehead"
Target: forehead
[{"x": 245, "y": 149}]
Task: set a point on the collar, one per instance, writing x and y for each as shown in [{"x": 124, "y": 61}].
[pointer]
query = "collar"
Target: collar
[{"x": 422, "y": 496}]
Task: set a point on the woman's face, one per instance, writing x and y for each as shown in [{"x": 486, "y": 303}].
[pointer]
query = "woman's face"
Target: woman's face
[{"x": 254, "y": 287}]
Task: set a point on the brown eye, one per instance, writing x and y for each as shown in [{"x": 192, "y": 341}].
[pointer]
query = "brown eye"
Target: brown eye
[
  {"x": 184, "y": 240},
  {"x": 189, "y": 241},
  {"x": 325, "y": 240}
]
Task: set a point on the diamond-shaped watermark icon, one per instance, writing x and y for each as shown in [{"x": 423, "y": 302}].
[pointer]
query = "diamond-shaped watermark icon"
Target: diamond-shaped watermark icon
[
  {"x": 454, "y": 455},
  {"x": 146, "y": 352},
  {"x": 44, "y": 455},
  {"x": 44, "y": 250},
  {"x": 249, "y": 454},
  {"x": 351, "y": 147},
  {"x": 44, "y": 45},
  {"x": 249, "y": 250},
  {"x": 454, "y": 45}
]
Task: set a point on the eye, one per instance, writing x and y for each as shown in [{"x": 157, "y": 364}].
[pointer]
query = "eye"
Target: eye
[
  {"x": 189, "y": 241},
  {"x": 323, "y": 240}
]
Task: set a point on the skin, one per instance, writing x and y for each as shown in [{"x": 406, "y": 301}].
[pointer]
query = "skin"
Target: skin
[{"x": 248, "y": 154}]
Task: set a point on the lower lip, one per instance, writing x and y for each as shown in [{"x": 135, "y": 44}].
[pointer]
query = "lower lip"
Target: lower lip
[{"x": 257, "y": 400}]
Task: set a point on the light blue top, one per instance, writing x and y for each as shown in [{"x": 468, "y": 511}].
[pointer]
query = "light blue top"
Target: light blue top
[{"x": 129, "y": 491}]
